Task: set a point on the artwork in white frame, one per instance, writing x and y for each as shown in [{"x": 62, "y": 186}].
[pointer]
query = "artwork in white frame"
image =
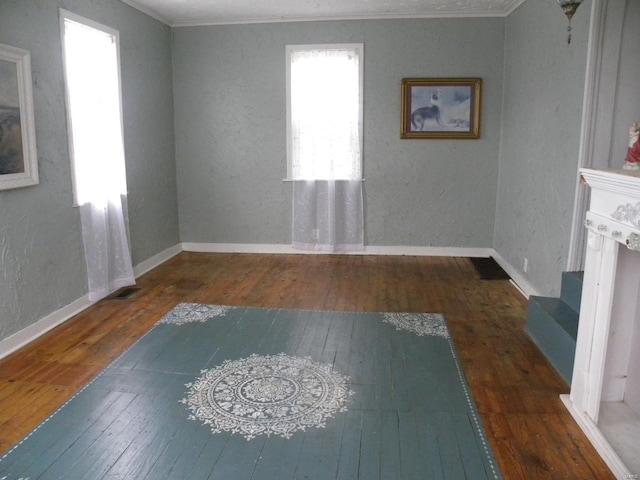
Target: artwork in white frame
[{"x": 18, "y": 157}]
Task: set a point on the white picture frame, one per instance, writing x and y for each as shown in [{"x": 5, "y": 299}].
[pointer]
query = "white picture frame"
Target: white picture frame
[{"x": 18, "y": 155}]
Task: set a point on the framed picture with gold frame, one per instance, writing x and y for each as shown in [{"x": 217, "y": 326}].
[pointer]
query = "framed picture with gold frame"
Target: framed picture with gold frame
[
  {"x": 441, "y": 108},
  {"x": 18, "y": 158}
]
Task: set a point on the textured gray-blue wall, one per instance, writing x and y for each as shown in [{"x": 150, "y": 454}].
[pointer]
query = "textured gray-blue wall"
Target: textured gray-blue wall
[
  {"x": 229, "y": 91},
  {"x": 41, "y": 255},
  {"x": 230, "y": 100},
  {"x": 627, "y": 105},
  {"x": 542, "y": 109}
]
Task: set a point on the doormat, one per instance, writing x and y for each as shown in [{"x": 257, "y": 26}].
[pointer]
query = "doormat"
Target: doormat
[
  {"x": 489, "y": 269},
  {"x": 246, "y": 393}
]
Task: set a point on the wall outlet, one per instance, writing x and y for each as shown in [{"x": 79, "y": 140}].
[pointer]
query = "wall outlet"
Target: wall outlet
[{"x": 525, "y": 265}]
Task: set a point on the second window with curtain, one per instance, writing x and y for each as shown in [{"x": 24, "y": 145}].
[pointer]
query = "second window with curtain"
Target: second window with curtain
[{"x": 324, "y": 147}]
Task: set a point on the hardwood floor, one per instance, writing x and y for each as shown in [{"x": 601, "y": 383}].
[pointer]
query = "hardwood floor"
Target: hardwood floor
[{"x": 515, "y": 389}]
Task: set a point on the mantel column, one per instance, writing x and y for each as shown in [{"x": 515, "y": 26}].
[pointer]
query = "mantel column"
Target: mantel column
[{"x": 597, "y": 303}]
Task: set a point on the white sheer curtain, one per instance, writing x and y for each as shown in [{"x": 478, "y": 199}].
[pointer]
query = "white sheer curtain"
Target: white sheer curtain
[
  {"x": 328, "y": 215},
  {"x": 325, "y": 128},
  {"x": 94, "y": 107},
  {"x": 106, "y": 247}
]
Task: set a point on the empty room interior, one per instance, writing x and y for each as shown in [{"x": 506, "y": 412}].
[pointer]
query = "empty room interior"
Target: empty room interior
[{"x": 428, "y": 297}]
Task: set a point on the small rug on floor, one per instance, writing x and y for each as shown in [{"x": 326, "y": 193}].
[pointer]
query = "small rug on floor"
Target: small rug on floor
[
  {"x": 240, "y": 393},
  {"x": 489, "y": 269}
]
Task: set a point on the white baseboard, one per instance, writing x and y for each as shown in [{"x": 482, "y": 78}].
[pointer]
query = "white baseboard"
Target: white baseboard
[
  {"x": 429, "y": 251},
  {"x": 239, "y": 248},
  {"x": 35, "y": 330},
  {"x": 156, "y": 260},
  {"x": 521, "y": 283},
  {"x": 368, "y": 250}
]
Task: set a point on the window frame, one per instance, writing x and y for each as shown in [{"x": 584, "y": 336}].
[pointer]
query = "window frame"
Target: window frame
[
  {"x": 67, "y": 15},
  {"x": 359, "y": 49}
]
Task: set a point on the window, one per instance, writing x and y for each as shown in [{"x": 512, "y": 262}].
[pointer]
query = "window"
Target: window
[
  {"x": 324, "y": 112},
  {"x": 92, "y": 74},
  {"x": 96, "y": 147}
]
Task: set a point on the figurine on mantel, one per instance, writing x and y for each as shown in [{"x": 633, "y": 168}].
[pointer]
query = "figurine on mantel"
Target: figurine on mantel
[{"x": 633, "y": 153}]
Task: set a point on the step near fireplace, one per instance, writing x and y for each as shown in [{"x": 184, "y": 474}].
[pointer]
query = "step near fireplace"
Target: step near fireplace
[{"x": 605, "y": 385}]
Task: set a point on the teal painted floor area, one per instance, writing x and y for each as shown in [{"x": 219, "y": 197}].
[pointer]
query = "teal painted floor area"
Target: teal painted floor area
[{"x": 409, "y": 414}]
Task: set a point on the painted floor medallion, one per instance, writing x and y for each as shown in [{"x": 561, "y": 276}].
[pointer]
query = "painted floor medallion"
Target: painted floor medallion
[
  {"x": 421, "y": 324},
  {"x": 193, "y": 312},
  {"x": 265, "y": 395}
]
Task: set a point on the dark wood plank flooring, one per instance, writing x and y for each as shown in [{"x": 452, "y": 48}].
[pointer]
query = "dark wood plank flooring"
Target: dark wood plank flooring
[{"x": 516, "y": 390}]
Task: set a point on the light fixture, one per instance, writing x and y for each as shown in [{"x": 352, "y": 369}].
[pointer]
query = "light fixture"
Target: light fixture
[{"x": 569, "y": 7}]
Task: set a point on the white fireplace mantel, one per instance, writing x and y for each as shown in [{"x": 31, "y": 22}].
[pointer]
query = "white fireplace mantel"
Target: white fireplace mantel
[{"x": 605, "y": 387}]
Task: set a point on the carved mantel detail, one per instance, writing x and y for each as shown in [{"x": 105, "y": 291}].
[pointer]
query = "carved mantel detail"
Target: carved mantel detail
[{"x": 628, "y": 213}]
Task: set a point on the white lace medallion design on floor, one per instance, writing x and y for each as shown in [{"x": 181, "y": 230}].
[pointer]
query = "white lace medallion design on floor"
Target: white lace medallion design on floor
[
  {"x": 431, "y": 324},
  {"x": 265, "y": 395},
  {"x": 193, "y": 312}
]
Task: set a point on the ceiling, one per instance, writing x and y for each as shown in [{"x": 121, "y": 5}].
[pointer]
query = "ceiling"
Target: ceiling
[{"x": 217, "y": 12}]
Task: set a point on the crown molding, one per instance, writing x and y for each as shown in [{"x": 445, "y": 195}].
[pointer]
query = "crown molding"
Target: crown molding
[{"x": 456, "y": 12}]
